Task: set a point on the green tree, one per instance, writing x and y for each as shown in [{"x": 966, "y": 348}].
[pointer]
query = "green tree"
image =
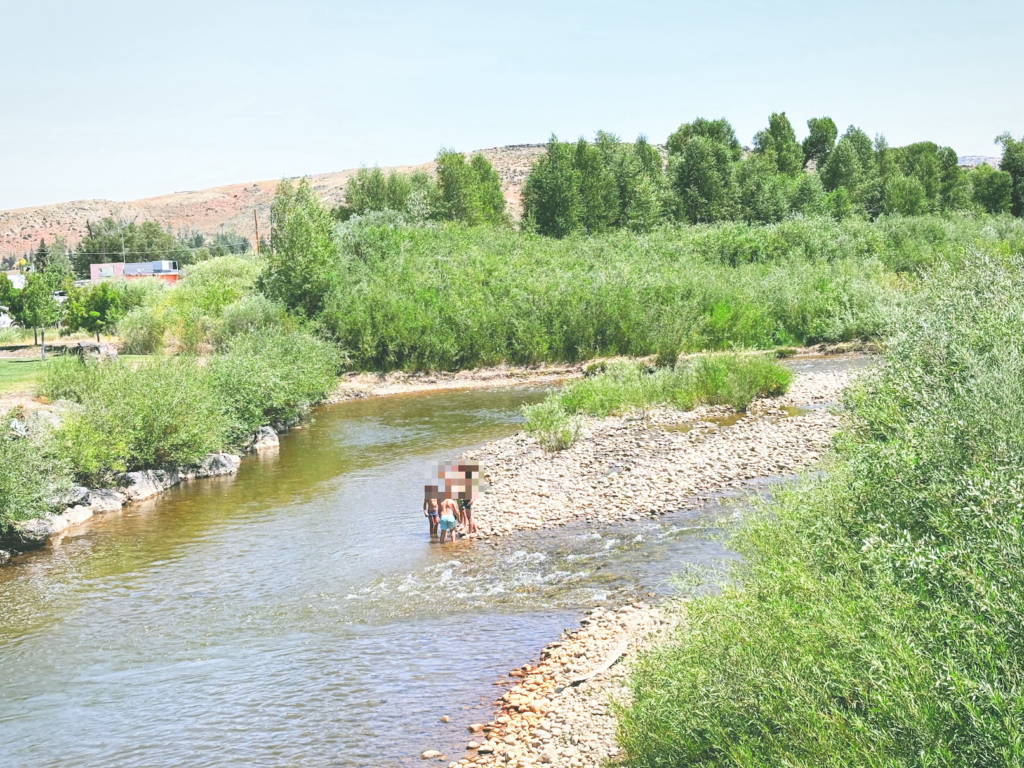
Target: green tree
[
  {"x": 95, "y": 308},
  {"x": 843, "y": 168},
  {"x": 469, "y": 192},
  {"x": 701, "y": 175},
  {"x": 808, "y": 196},
  {"x": 904, "y": 195},
  {"x": 764, "y": 193},
  {"x": 108, "y": 240},
  {"x": 302, "y": 266},
  {"x": 639, "y": 180},
  {"x": 552, "y": 203},
  {"x": 1013, "y": 164},
  {"x": 820, "y": 141},
  {"x": 41, "y": 257},
  {"x": 38, "y": 308},
  {"x": 992, "y": 189},
  {"x": 598, "y": 189},
  {"x": 719, "y": 131},
  {"x": 490, "y": 199},
  {"x": 778, "y": 143}
]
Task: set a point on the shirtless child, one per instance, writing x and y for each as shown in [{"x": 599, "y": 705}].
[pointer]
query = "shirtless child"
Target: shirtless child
[
  {"x": 430, "y": 510},
  {"x": 449, "y": 519}
]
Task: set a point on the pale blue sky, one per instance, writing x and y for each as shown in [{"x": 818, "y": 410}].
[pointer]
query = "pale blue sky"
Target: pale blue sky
[{"x": 126, "y": 99}]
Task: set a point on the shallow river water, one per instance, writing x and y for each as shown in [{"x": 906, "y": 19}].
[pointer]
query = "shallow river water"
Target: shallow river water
[{"x": 296, "y": 614}]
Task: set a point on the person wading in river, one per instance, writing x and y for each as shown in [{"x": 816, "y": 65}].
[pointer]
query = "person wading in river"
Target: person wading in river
[
  {"x": 466, "y": 499},
  {"x": 449, "y": 519},
  {"x": 430, "y": 509}
]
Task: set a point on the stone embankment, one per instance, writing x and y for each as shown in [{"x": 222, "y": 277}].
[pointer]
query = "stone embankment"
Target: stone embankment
[
  {"x": 84, "y": 503},
  {"x": 646, "y": 464},
  {"x": 560, "y": 714}
]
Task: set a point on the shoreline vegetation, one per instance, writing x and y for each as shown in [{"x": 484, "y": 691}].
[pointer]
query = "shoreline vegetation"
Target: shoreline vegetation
[{"x": 875, "y": 614}]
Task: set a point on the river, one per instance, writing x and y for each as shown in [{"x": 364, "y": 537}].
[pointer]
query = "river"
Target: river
[{"x": 296, "y": 614}]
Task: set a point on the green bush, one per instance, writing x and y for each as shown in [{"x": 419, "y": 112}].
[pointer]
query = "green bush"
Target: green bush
[
  {"x": 554, "y": 428},
  {"x": 212, "y": 285},
  {"x": 455, "y": 297},
  {"x": 160, "y": 413},
  {"x": 32, "y": 476},
  {"x": 248, "y": 315},
  {"x": 271, "y": 376},
  {"x": 142, "y": 330},
  {"x": 623, "y": 386},
  {"x": 875, "y": 616},
  {"x": 729, "y": 379}
]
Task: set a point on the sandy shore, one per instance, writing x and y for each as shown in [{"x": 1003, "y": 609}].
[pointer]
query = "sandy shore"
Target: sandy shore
[{"x": 560, "y": 712}]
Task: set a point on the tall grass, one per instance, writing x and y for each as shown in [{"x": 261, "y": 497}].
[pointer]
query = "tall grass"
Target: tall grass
[
  {"x": 455, "y": 297},
  {"x": 728, "y": 379},
  {"x": 877, "y": 615}
]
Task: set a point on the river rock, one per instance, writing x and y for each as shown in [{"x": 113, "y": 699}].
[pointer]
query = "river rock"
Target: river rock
[
  {"x": 430, "y": 754},
  {"x": 5, "y": 557},
  {"x": 265, "y": 439},
  {"x": 106, "y": 500},
  {"x": 216, "y": 464},
  {"x": 148, "y": 483},
  {"x": 27, "y": 534}
]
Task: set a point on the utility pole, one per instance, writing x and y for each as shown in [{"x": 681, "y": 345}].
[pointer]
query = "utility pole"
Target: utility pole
[
  {"x": 256, "y": 222},
  {"x": 122, "y": 245}
]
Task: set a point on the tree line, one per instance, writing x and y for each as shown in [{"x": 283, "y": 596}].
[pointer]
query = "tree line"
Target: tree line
[
  {"x": 704, "y": 175},
  {"x": 110, "y": 240}
]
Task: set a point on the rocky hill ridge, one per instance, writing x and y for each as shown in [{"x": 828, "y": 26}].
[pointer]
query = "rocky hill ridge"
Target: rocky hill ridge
[{"x": 224, "y": 208}]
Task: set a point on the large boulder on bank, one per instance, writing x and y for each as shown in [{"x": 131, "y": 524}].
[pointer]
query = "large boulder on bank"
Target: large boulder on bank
[
  {"x": 265, "y": 439},
  {"x": 216, "y": 464},
  {"x": 27, "y": 534},
  {"x": 146, "y": 484},
  {"x": 106, "y": 500},
  {"x": 95, "y": 350}
]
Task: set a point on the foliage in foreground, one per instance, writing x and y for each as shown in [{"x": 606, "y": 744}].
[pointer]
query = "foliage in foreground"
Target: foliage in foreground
[
  {"x": 730, "y": 379},
  {"x": 877, "y": 615}
]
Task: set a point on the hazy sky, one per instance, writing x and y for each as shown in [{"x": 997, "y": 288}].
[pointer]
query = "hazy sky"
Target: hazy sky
[{"x": 123, "y": 100}]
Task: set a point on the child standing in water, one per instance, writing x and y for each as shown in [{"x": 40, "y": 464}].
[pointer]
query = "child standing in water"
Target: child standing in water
[
  {"x": 449, "y": 511},
  {"x": 430, "y": 510}
]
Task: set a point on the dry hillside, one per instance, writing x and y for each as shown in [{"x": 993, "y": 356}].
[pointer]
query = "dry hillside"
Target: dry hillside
[{"x": 229, "y": 207}]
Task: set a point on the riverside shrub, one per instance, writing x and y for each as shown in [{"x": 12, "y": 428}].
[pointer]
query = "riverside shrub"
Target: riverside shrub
[
  {"x": 876, "y": 615},
  {"x": 31, "y": 475},
  {"x": 729, "y": 379},
  {"x": 169, "y": 412},
  {"x": 456, "y": 297},
  {"x": 159, "y": 413},
  {"x": 270, "y": 376}
]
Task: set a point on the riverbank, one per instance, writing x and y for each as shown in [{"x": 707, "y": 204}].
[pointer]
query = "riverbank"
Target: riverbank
[
  {"x": 656, "y": 461},
  {"x": 356, "y": 385},
  {"x": 562, "y": 712}
]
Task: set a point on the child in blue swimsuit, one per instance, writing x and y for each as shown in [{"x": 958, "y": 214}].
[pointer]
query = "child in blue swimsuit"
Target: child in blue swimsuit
[{"x": 430, "y": 510}]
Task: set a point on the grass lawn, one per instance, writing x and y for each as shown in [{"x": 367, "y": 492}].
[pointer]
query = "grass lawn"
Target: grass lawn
[{"x": 18, "y": 374}]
